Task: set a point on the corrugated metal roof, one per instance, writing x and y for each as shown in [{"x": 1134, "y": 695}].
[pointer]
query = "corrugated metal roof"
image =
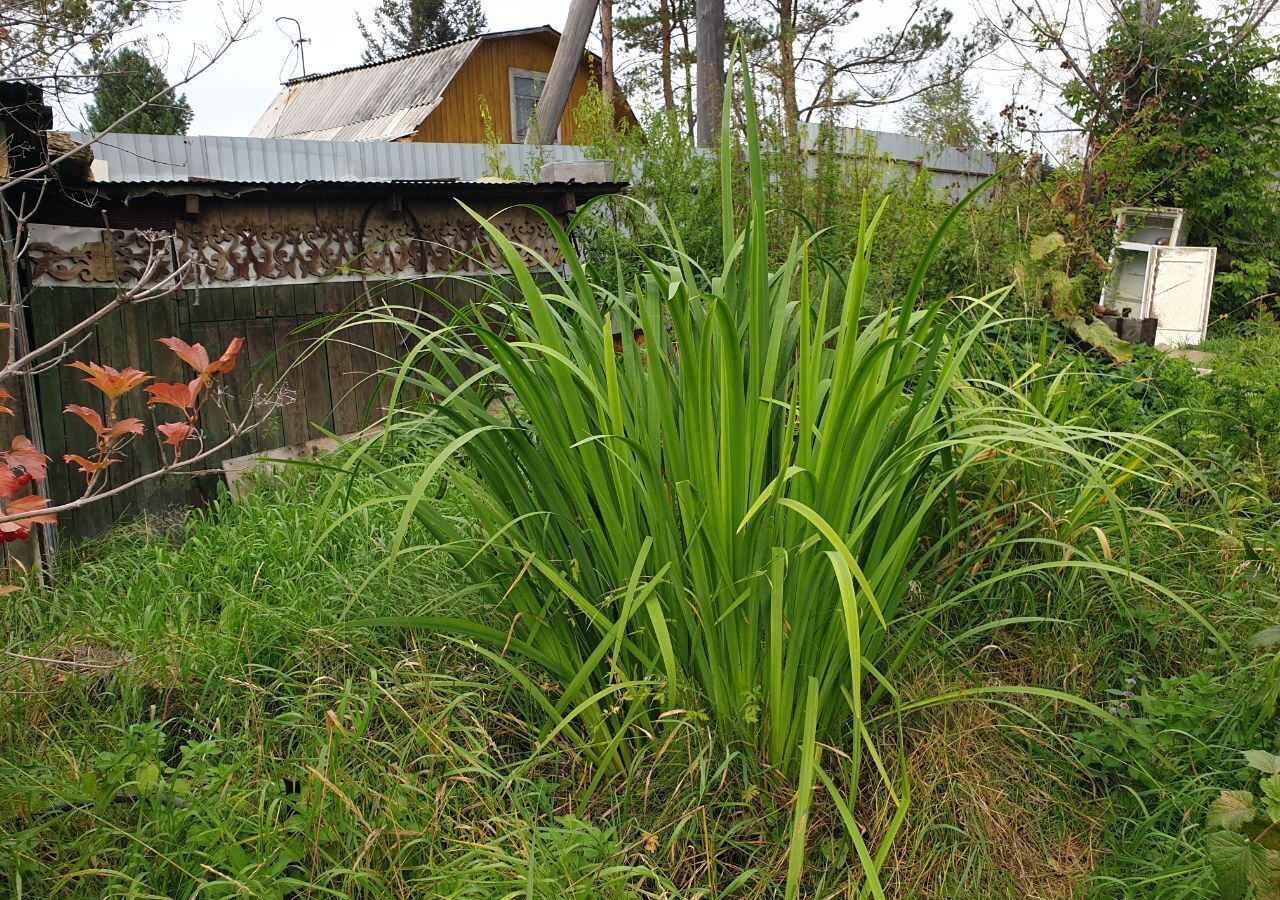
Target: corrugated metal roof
[
  {"x": 511, "y": 32},
  {"x": 132, "y": 158},
  {"x": 379, "y": 101}
]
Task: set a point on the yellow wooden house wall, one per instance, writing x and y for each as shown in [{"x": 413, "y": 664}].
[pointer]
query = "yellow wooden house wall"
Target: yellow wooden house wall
[{"x": 486, "y": 74}]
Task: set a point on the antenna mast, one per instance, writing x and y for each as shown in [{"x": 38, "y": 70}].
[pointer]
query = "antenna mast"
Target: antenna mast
[{"x": 302, "y": 54}]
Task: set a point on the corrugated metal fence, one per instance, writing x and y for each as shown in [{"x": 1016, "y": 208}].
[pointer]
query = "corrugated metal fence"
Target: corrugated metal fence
[
  {"x": 953, "y": 171},
  {"x": 152, "y": 158}
]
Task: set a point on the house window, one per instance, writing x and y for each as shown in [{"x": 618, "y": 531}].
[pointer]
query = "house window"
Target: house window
[{"x": 526, "y": 88}]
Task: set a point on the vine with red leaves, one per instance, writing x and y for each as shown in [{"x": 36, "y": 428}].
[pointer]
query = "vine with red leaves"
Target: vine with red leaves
[
  {"x": 189, "y": 397},
  {"x": 110, "y": 435},
  {"x": 23, "y": 466}
]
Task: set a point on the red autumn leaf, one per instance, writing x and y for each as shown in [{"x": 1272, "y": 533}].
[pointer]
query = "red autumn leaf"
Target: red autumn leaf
[
  {"x": 26, "y": 457},
  {"x": 196, "y": 357},
  {"x": 5, "y": 395},
  {"x": 90, "y": 467},
  {"x": 123, "y": 427},
  {"x": 227, "y": 361},
  {"x": 182, "y": 396},
  {"x": 32, "y": 504},
  {"x": 112, "y": 382},
  {"x": 90, "y": 416},
  {"x": 20, "y": 529},
  {"x": 13, "y": 531},
  {"x": 176, "y": 434},
  {"x": 10, "y": 483}
]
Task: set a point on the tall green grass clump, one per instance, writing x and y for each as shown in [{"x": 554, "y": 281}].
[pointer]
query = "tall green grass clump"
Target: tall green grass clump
[{"x": 715, "y": 492}]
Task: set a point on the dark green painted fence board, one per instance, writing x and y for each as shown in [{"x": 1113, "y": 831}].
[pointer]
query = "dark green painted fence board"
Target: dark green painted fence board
[{"x": 333, "y": 381}]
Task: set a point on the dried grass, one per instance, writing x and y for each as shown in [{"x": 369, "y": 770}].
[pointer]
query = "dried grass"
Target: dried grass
[{"x": 985, "y": 803}]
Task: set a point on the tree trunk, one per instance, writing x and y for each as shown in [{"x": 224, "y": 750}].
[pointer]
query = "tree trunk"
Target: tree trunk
[
  {"x": 787, "y": 64},
  {"x": 668, "y": 89},
  {"x": 688, "y": 76},
  {"x": 606, "y": 52},
  {"x": 1150, "y": 13},
  {"x": 710, "y": 68},
  {"x": 1132, "y": 93}
]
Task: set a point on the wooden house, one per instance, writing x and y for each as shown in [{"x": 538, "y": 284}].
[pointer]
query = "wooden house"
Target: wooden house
[{"x": 435, "y": 95}]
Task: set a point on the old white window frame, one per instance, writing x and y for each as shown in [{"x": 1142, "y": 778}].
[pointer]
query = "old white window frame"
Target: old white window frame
[{"x": 512, "y": 74}]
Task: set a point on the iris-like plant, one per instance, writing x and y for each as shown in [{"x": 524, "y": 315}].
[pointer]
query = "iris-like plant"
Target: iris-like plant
[{"x": 715, "y": 491}]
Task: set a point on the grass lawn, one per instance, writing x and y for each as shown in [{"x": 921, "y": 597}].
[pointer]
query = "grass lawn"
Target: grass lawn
[{"x": 204, "y": 709}]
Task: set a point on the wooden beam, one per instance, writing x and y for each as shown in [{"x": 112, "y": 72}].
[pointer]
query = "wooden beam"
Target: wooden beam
[
  {"x": 566, "y": 203},
  {"x": 564, "y": 69},
  {"x": 76, "y": 167}
]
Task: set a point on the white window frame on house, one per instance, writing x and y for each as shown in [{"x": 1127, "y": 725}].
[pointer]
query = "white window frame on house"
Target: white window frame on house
[{"x": 512, "y": 75}]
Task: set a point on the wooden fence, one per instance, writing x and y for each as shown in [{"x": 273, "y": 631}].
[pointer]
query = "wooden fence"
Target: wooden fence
[{"x": 332, "y": 382}]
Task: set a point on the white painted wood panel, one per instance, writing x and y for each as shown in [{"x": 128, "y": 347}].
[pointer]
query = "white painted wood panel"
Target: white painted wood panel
[{"x": 1180, "y": 285}]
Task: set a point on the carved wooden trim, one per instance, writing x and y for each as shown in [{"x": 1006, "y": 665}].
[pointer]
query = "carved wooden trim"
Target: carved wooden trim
[{"x": 252, "y": 252}]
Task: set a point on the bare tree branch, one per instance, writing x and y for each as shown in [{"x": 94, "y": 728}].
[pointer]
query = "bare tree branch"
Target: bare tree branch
[{"x": 239, "y": 30}]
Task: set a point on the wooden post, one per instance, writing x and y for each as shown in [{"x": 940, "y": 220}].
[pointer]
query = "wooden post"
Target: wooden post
[
  {"x": 710, "y": 55},
  {"x": 26, "y": 418},
  {"x": 564, "y": 68}
]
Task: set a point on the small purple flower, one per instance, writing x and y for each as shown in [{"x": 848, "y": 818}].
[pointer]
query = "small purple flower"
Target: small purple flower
[
  {"x": 1131, "y": 681},
  {"x": 1124, "y": 707},
  {"x": 1128, "y": 695},
  {"x": 1112, "y": 710}
]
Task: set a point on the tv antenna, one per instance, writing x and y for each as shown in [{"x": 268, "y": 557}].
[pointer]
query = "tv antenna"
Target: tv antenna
[{"x": 298, "y": 42}]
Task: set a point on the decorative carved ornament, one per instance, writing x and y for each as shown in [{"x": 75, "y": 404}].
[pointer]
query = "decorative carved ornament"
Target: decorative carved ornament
[{"x": 250, "y": 253}]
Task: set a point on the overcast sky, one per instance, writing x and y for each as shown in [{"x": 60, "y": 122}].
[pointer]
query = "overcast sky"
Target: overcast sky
[{"x": 228, "y": 98}]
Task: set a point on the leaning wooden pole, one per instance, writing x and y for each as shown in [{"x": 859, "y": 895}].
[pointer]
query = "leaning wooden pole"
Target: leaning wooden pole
[
  {"x": 710, "y": 56},
  {"x": 564, "y": 68}
]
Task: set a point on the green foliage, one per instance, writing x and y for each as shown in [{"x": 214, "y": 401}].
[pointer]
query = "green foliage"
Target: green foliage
[
  {"x": 622, "y": 489},
  {"x": 45, "y": 39},
  {"x": 1042, "y": 277},
  {"x": 215, "y": 722},
  {"x": 128, "y": 80},
  {"x": 675, "y": 182},
  {"x": 726, "y": 519},
  {"x": 398, "y": 27},
  {"x": 942, "y": 116},
  {"x": 1188, "y": 114},
  {"x": 240, "y": 701},
  {"x": 1240, "y": 403},
  {"x": 659, "y": 36},
  {"x": 671, "y": 181},
  {"x": 495, "y": 161},
  {"x": 1242, "y": 844}
]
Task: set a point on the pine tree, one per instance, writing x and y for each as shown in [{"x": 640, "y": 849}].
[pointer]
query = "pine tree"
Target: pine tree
[
  {"x": 127, "y": 80},
  {"x": 406, "y": 26}
]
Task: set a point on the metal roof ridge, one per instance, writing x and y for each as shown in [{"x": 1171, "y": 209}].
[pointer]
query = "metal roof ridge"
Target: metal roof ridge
[{"x": 424, "y": 51}]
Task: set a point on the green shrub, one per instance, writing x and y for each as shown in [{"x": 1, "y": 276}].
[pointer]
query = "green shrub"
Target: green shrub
[
  {"x": 1240, "y": 402},
  {"x": 728, "y": 519}
]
